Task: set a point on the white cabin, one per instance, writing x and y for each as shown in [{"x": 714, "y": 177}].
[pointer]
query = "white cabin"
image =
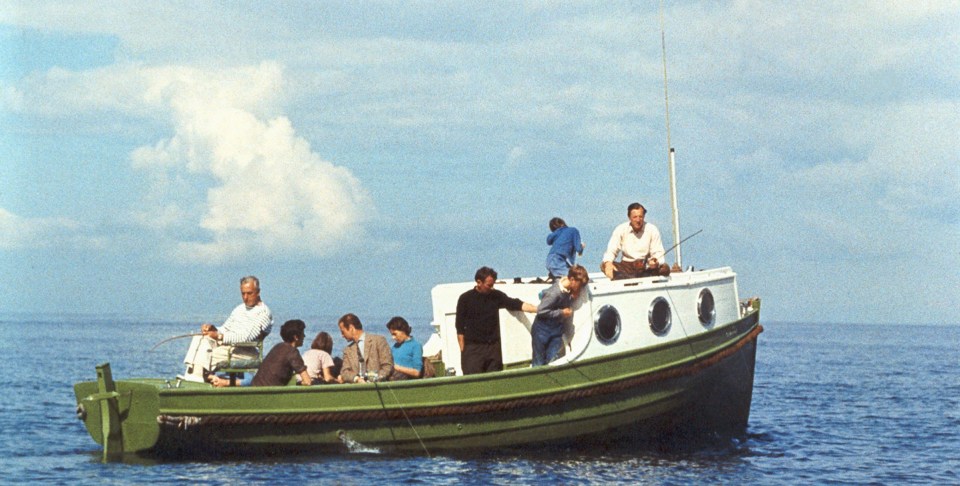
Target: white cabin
[{"x": 610, "y": 317}]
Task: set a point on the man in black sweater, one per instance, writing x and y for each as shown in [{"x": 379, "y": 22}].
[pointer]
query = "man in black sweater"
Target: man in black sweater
[{"x": 478, "y": 323}]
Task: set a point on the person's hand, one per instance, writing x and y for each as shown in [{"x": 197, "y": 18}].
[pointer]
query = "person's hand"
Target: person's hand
[
  {"x": 208, "y": 330},
  {"x": 567, "y": 312},
  {"x": 607, "y": 269},
  {"x": 653, "y": 263},
  {"x": 218, "y": 382}
]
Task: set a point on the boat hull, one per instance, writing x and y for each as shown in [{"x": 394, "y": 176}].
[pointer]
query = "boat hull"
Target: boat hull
[{"x": 701, "y": 386}]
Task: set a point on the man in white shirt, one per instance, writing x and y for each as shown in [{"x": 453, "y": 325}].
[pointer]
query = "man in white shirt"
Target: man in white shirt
[
  {"x": 640, "y": 246},
  {"x": 250, "y": 321}
]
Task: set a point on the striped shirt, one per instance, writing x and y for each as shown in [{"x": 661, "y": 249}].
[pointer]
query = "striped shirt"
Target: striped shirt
[{"x": 247, "y": 324}]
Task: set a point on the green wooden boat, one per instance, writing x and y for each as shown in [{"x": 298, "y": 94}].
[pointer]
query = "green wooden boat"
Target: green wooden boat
[{"x": 647, "y": 359}]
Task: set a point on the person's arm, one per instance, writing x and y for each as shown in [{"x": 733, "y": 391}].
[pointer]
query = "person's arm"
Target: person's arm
[
  {"x": 347, "y": 373},
  {"x": 613, "y": 248},
  {"x": 459, "y": 320},
  {"x": 407, "y": 371},
  {"x": 210, "y": 331},
  {"x": 551, "y": 307},
  {"x": 386, "y": 359},
  {"x": 656, "y": 249},
  {"x": 328, "y": 375},
  {"x": 578, "y": 245},
  {"x": 607, "y": 269},
  {"x": 305, "y": 378},
  {"x": 506, "y": 302}
]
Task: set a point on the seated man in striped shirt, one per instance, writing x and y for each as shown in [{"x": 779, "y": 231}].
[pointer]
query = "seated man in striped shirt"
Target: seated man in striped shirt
[{"x": 250, "y": 321}]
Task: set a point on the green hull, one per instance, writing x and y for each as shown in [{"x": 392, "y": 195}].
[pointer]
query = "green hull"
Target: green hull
[{"x": 698, "y": 386}]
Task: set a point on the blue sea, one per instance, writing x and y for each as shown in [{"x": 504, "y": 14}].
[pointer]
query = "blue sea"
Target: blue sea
[{"x": 840, "y": 404}]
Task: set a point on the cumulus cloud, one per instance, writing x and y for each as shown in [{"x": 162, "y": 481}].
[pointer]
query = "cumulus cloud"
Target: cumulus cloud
[{"x": 234, "y": 179}]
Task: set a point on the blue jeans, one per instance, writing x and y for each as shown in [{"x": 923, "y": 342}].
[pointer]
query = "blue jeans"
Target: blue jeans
[
  {"x": 558, "y": 265},
  {"x": 547, "y": 341}
]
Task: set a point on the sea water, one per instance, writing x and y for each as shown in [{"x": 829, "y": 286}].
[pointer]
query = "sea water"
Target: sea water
[{"x": 832, "y": 404}]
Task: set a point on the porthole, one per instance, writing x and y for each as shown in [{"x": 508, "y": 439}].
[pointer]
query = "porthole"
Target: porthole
[
  {"x": 659, "y": 316},
  {"x": 706, "y": 308},
  {"x": 607, "y": 324}
]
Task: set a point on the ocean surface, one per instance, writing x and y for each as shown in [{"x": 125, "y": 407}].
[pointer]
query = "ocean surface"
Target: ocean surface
[{"x": 833, "y": 404}]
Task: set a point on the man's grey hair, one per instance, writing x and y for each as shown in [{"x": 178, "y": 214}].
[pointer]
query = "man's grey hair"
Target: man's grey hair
[{"x": 251, "y": 278}]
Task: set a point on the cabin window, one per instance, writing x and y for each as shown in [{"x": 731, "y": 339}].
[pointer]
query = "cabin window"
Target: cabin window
[
  {"x": 706, "y": 308},
  {"x": 659, "y": 316},
  {"x": 607, "y": 324}
]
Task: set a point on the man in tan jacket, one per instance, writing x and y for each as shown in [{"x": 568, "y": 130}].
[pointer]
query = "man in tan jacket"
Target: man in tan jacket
[{"x": 366, "y": 355}]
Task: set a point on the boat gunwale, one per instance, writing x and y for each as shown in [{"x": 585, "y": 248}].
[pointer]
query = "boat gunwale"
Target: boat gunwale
[
  {"x": 507, "y": 373},
  {"x": 396, "y": 410}
]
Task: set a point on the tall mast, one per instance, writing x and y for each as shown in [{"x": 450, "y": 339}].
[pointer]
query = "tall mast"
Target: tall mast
[{"x": 671, "y": 157}]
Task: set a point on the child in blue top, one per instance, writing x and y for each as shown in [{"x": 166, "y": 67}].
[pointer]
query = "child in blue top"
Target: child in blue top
[{"x": 565, "y": 246}]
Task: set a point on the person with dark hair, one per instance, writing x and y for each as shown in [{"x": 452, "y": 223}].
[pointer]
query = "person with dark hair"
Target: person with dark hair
[
  {"x": 367, "y": 356},
  {"x": 554, "y": 310},
  {"x": 283, "y": 361},
  {"x": 250, "y": 321},
  {"x": 407, "y": 352},
  {"x": 565, "y": 246},
  {"x": 319, "y": 360},
  {"x": 639, "y": 245},
  {"x": 478, "y": 323}
]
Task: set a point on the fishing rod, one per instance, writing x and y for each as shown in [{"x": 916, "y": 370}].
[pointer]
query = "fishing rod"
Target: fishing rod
[
  {"x": 681, "y": 241},
  {"x": 155, "y": 346},
  {"x": 643, "y": 263}
]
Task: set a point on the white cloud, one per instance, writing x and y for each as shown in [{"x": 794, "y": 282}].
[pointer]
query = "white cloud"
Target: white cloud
[
  {"x": 266, "y": 191},
  {"x": 234, "y": 178},
  {"x": 18, "y": 232}
]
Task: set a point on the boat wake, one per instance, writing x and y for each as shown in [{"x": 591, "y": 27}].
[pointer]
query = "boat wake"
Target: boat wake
[{"x": 355, "y": 447}]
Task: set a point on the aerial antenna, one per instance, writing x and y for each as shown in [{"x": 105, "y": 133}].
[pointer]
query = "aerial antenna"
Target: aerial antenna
[{"x": 671, "y": 153}]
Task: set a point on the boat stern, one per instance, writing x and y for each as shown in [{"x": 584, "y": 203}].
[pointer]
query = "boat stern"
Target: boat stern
[{"x": 120, "y": 416}]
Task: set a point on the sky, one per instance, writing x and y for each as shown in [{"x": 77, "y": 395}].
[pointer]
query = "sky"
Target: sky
[{"x": 355, "y": 154}]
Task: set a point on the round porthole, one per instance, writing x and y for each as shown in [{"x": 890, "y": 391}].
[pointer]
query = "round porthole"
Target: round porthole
[
  {"x": 659, "y": 316},
  {"x": 607, "y": 324},
  {"x": 706, "y": 308}
]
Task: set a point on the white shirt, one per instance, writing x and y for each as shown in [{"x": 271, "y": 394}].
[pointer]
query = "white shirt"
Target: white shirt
[
  {"x": 634, "y": 245},
  {"x": 316, "y": 360}
]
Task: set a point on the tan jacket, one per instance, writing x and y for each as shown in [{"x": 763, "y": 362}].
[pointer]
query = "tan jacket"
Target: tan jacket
[{"x": 376, "y": 356}]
